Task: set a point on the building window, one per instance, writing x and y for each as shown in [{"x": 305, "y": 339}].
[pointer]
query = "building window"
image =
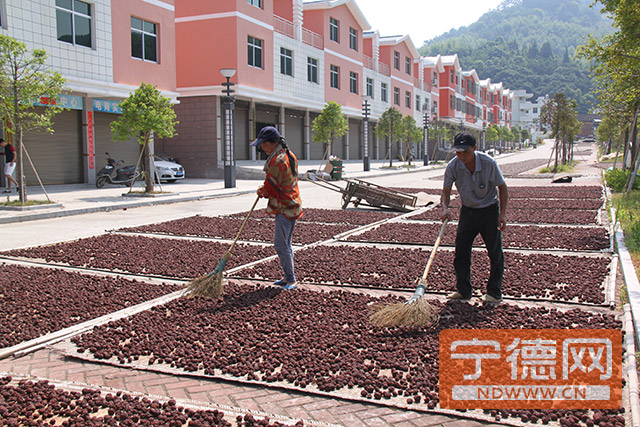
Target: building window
[
  {"x": 417, "y": 102},
  {"x": 312, "y": 70},
  {"x": 384, "y": 92},
  {"x": 535, "y": 110},
  {"x": 434, "y": 81},
  {"x": 255, "y": 52},
  {"x": 396, "y": 96},
  {"x": 353, "y": 82},
  {"x": 144, "y": 40},
  {"x": 396, "y": 60},
  {"x": 256, "y": 3},
  {"x": 407, "y": 99},
  {"x": 334, "y": 72},
  {"x": 73, "y": 22},
  {"x": 369, "y": 90},
  {"x": 334, "y": 30},
  {"x": 452, "y": 102},
  {"x": 407, "y": 65},
  {"x": 286, "y": 62},
  {"x": 353, "y": 38}
]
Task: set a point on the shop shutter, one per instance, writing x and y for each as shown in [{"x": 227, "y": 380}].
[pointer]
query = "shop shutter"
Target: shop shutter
[
  {"x": 57, "y": 157},
  {"x": 129, "y": 150}
]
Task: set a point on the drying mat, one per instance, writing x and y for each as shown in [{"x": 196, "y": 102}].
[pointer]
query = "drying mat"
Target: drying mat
[
  {"x": 313, "y": 342},
  {"x": 535, "y": 237},
  {"x": 553, "y": 277},
  {"x": 562, "y": 192},
  {"x": 36, "y": 301},
  {"x": 528, "y": 216},
  {"x": 329, "y": 216},
  {"x": 260, "y": 230},
  {"x": 144, "y": 255}
]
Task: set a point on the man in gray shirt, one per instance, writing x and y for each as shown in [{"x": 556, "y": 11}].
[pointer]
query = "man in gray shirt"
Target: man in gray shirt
[{"x": 484, "y": 198}]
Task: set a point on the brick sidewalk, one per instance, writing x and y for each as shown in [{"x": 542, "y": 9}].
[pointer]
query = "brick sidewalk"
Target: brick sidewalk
[{"x": 219, "y": 394}]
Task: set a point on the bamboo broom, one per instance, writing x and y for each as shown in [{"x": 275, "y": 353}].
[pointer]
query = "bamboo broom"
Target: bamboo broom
[
  {"x": 416, "y": 312},
  {"x": 212, "y": 285}
]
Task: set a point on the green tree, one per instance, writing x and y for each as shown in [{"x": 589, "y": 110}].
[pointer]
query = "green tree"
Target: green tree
[
  {"x": 24, "y": 81},
  {"x": 411, "y": 133},
  {"x": 616, "y": 59},
  {"x": 560, "y": 116},
  {"x": 329, "y": 125},
  {"x": 390, "y": 126},
  {"x": 145, "y": 113}
]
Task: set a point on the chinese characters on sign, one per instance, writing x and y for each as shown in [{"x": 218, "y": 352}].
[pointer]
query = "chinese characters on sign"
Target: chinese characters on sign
[
  {"x": 531, "y": 369},
  {"x": 106, "y": 106},
  {"x": 90, "y": 139},
  {"x": 70, "y": 102}
]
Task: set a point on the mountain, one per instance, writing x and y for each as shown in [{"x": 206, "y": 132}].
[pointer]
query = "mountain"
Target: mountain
[{"x": 530, "y": 44}]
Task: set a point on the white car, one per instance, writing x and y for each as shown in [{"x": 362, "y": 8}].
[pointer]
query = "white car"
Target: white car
[{"x": 167, "y": 170}]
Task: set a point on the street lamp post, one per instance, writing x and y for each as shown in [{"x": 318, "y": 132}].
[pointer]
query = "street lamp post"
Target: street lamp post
[
  {"x": 228, "y": 106},
  {"x": 484, "y": 136},
  {"x": 365, "y": 135},
  {"x": 425, "y": 144}
]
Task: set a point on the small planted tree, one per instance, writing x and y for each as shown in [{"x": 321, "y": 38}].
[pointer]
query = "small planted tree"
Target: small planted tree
[
  {"x": 410, "y": 133},
  {"x": 23, "y": 82},
  {"x": 560, "y": 115},
  {"x": 390, "y": 126},
  {"x": 145, "y": 113},
  {"x": 329, "y": 125}
]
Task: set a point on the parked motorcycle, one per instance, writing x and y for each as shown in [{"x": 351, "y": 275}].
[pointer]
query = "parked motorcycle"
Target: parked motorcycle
[{"x": 113, "y": 174}]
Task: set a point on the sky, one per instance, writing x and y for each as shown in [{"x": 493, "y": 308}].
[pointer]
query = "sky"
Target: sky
[{"x": 422, "y": 19}]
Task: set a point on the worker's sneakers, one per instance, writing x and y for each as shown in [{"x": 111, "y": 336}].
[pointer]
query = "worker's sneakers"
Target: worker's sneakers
[
  {"x": 7, "y": 191},
  {"x": 457, "y": 296},
  {"x": 488, "y": 299},
  {"x": 286, "y": 285}
]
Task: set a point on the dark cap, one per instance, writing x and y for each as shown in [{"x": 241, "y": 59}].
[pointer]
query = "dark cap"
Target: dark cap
[
  {"x": 463, "y": 141},
  {"x": 267, "y": 133},
  {"x": 2, "y": 140}
]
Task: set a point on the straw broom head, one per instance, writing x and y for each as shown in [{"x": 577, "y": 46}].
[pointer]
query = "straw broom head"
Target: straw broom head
[
  {"x": 417, "y": 313},
  {"x": 210, "y": 285}
]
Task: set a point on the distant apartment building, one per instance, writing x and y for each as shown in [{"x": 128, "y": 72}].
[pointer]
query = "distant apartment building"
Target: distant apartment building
[{"x": 291, "y": 57}]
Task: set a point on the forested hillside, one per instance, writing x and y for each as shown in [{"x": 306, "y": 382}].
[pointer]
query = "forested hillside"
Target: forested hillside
[{"x": 529, "y": 44}]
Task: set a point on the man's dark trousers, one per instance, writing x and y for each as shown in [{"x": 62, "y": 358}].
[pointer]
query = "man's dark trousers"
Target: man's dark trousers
[{"x": 485, "y": 222}]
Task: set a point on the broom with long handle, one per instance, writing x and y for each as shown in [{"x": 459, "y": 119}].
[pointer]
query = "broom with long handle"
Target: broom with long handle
[
  {"x": 417, "y": 311},
  {"x": 212, "y": 285}
]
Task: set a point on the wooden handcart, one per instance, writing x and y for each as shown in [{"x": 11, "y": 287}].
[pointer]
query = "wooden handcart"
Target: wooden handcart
[{"x": 358, "y": 191}]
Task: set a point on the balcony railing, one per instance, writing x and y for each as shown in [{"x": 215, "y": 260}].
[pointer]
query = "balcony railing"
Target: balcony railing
[
  {"x": 368, "y": 62},
  {"x": 283, "y": 26},
  {"x": 312, "y": 39},
  {"x": 418, "y": 84},
  {"x": 286, "y": 27},
  {"x": 384, "y": 69}
]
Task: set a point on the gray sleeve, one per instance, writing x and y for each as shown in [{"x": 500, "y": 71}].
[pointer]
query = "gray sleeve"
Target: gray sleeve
[
  {"x": 496, "y": 175},
  {"x": 449, "y": 176}
]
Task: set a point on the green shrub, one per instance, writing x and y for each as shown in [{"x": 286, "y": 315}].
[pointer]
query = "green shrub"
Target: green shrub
[
  {"x": 628, "y": 213},
  {"x": 617, "y": 180}
]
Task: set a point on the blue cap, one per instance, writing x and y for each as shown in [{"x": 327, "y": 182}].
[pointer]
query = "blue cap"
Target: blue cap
[{"x": 267, "y": 133}]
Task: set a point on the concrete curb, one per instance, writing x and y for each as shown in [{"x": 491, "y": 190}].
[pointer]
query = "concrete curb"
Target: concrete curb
[
  {"x": 147, "y": 202},
  {"x": 632, "y": 370}
]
